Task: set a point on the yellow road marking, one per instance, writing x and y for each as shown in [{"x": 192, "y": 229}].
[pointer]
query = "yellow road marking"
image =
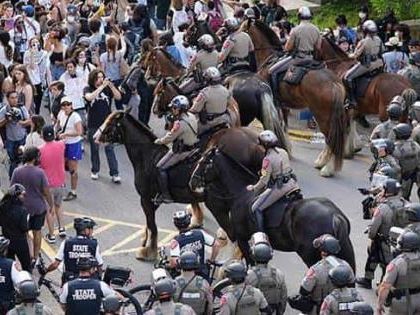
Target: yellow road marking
[
  {"x": 128, "y": 239},
  {"x": 167, "y": 238},
  {"x": 48, "y": 250},
  {"x": 103, "y": 228}
]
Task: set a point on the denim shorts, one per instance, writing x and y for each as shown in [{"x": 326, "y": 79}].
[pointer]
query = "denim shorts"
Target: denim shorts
[{"x": 74, "y": 151}]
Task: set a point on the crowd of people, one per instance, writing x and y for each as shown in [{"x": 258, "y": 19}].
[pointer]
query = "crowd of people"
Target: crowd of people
[{"x": 64, "y": 66}]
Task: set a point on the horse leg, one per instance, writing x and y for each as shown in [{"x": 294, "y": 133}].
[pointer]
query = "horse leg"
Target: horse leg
[
  {"x": 328, "y": 169},
  {"x": 245, "y": 249},
  {"x": 353, "y": 143},
  {"x": 197, "y": 215},
  {"x": 320, "y": 160},
  {"x": 149, "y": 252}
]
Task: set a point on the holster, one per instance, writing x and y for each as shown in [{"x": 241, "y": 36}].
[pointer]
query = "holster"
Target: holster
[
  {"x": 202, "y": 116},
  {"x": 178, "y": 146},
  {"x": 301, "y": 303}
]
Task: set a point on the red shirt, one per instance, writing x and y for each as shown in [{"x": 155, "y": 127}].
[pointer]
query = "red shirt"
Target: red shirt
[{"x": 52, "y": 162}]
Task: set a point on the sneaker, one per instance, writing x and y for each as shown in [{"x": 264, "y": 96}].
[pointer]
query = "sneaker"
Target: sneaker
[
  {"x": 62, "y": 232},
  {"x": 50, "y": 238},
  {"x": 116, "y": 179},
  {"x": 94, "y": 176},
  {"x": 70, "y": 196}
]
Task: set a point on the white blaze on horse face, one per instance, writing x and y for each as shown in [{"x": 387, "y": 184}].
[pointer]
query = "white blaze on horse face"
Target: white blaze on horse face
[{"x": 99, "y": 132}]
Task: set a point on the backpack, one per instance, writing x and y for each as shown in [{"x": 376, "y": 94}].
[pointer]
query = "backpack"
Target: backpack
[
  {"x": 215, "y": 20},
  {"x": 133, "y": 45}
]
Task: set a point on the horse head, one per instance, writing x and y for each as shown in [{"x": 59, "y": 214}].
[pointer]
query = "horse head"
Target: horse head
[
  {"x": 164, "y": 92},
  {"x": 196, "y": 30},
  {"x": 111, "y": 130},
  {"x": 330, "y": 51}
]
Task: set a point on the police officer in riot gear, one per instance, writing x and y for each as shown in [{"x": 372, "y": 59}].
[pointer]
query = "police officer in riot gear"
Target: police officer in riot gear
[
  {"x": 265, "y": 277},
  {"x": 192, "y": 289},
  {"x": 240, "y": 297},
  {"x": 403, "y": 275},
  {"x": 407, "y": 153},
  {"x": 28, "y": 292},
  {"x": 9, "y": 276},
  {"x": 382, "y": 150},
  {"x": 111, "y": 305},
  {"x": 164, "y": 290},
  {"x": 341, "y": 299},
  {"x": 383, "y": 218},
  {"x": 316, "y": 284},
  {"x": 277, "y": 178},
  {"x": 82, "y": 245},
  {"x": 192, "y": 239},
  {"x": 84, "y": 294},
  {"x": 384, "y": 129},
  {"x": 413, "y": 217}
]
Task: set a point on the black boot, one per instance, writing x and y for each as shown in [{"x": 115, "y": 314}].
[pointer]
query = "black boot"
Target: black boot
[
  {"x": 165, "y": 195},
  {"x": 351, "y": 93},
  {"x": 259, "y": 216},
  {"x": 364, "y": 282}
]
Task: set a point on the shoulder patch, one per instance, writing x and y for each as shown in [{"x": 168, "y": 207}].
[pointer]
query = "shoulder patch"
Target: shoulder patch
[
  {"x": 265, "y": 163},
  {"x": 223, "y": 300},
  {"x": 325, "y": 305},
  {"x": 173, "y": 244},
  {"x": 228, "y": 43},
  {"x": 176, "y": 126},
  {"x": 376, "y": 213},
  {"x": 390, "y": 267},
  {"x": 199, "y": 97},
  {"x": 310, "y": 273}
]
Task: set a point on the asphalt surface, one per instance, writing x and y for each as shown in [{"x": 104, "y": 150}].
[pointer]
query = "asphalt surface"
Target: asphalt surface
[{"x": 116, "y": 209}]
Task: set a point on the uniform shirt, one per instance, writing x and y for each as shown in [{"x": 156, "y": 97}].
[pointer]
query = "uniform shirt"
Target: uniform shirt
[
  {"x": 407, "y": 153},
  {"x": 214, "y": 99},
  {"x": 398, "y": 267},
  {"x": 237, "y": 45},
  {"x": 204, "y": 60},
  {"x": 168, "y": 308},
  {"x": 29, "y": 309},
  {"x": 14, "y": 130},
  {"x": 330, "y": 306},
  {"x": 184, "y": 129},
  {"x": 229, "y": 302},
  {"x": 275, "y": 163},
  {"x": 304, "y": 37},
  {"x": 382, "y": 221},
  {"x": 60, "y": 253},
  {"x": 316, "y": 279},
  {"x": 370, "y": 45},
  {"x": 384, "y": 130},
  {"x": 176, "y": 249}
]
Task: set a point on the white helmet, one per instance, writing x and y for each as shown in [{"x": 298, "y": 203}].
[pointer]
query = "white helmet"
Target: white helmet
[
  {"x": 250, "y": 13},
  {"x": 267, "y": 137},
  {"x": 206, "y": 41},
  {"x": 180, "y": 102},
  {"x": 212, "y": 74},
  {"x": 304, "y": 13},
  {"x": 370, "y": 26},
  {"x": 231, "y": 23}
]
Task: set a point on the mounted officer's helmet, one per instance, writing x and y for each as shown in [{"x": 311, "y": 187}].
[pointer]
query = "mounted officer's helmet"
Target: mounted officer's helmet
[
  {"x": 16, "y": 190},
  {"x": 250, "y": 13},
  {"x": 4, "y": 245},
  {"x": 415, "y": 109},
  {"x": 206, "y": 41},
  {"x": 370, "y": 26},
  {"x": 408, "y": 241},
  {"x": 232, "y": 24},
  {"x": 361, "y": 308},
  {"x": 212, "y": 74},
  {"x": 111, "y": 304},
  {"x": 415, "y": 58},
  {"x": 402, "y": 131},
  {"x": 394, "y": 111},
  {"x": 189, "y": 260},
  {"x": 304, "y": 13},
  {"x": 378, "y": 144},
  {"x": 236, "y": 272},
  {"x": 182, "y": 219},
  {"x": 180, "y": 102},
  {"x": 413, "y": 211},
  {"x": 341, "y": 276},
  {"x": 262, "y": 253},
  {"x": 388, "y": 171},
  {"x": 85, "y": 263},
  {"x": 268, "y": 138},
  {"x": 164, "y": 288},
  {"x": 391, "y": 187},
  {"x": 27, "y": 290},
  {"x": 80, "y": 224},
  {"x": 327, "y": 243}
]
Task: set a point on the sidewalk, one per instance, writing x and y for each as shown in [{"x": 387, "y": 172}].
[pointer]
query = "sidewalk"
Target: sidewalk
[{"x": 291, "y": 5}]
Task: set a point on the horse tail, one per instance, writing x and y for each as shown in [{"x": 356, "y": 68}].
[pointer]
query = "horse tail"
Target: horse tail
[
  {"x": 341, "y": 228},
  {"x": 337, "y": 135},
  {"x": 272, "y": 120}
]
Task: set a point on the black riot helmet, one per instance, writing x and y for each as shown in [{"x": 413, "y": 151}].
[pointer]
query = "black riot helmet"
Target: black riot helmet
[
  {"x": 413, "y": 211},
  {"x": 402, "y": 131},
  {"x": 111, "y": 304},
  {"x": 85, "y": 263},
  {"x": 327, "y": 243},
  {"x": 189, "y": 260},
  {"x": 236, "y": 272},
  {"x": 341, "y": 276},
  {"x": 378, "y": 144},
  {"x": 164, "y": 288},
  {"x": 394, "y": 111},
  {"x": 182, "y": 219},
  {"x": 262, "y": 253},
  {"x": 361, "y": 308},
  {"x": 408, "y": 241},
  {"x": 80, "y": 224},
  {"x": 4, "y": 245},
  {"x": 388, "y": 171},
  {"x": 391, "y": 187},
  {"x": 28, "y": 291}
]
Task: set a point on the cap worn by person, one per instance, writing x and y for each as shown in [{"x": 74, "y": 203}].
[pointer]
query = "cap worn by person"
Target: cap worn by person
[
  {"x": 29, "y": 10},
  {"x": 48, "y": 133},
  {"x": 393, "y": 42},
  {"x": 66, "y": 100}
]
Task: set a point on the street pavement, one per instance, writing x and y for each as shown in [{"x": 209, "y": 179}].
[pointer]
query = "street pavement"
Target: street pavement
[{"x": 116, "y": 209}]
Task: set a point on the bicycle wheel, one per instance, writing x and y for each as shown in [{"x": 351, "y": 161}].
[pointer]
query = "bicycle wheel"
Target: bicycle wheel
[
  {"x": 144, "y": 294},
  {"x": 130, "y": 305}
]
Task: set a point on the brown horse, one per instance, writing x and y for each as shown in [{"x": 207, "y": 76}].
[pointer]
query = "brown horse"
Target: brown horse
[
  {"x": 159, "y": 63},
  {"x": 320, "y": 90}
]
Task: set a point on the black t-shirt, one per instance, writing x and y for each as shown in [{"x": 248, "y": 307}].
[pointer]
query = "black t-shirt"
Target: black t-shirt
[
  {"x": 99, "y": 109},
  {"x": 14, "y": 221}
]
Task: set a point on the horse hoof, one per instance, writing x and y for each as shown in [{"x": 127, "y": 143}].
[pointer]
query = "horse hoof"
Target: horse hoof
[
  {"x": 325, "y": 172},
  {"x": 146, "y": 254},
  {"x": 318, "y": 165}
]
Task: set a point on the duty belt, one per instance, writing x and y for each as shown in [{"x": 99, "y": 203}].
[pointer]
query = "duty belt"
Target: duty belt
[
  {"x": 237, "y": 59},
  {"x": 189, "y": 147},
  {"x": 212, "y": 116}
]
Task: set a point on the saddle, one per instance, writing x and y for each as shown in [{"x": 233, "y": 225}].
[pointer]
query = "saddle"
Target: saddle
[
  {"x": 299, "y": 68},
  {"x": 361, "y": 83},
  {"x": 273, "y": 215},
  {"x": 179, "y": 174}
]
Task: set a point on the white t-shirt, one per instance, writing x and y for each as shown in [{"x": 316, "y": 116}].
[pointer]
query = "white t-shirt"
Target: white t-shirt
[
  {"x": 3, "y": 59},
  {"x": 71, "y": 125},
  {"x": 73, "y": 88},
  {"x": 179, "y": 18},
  {"x": 34, "y": 139}
]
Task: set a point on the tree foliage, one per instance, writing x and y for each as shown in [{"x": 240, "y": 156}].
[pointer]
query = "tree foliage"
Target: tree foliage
[{"x": 404, "y": 9}]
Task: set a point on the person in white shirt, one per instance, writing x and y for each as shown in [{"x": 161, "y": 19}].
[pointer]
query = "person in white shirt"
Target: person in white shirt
[
  {"x": 34, "y": 138},
  {"x": 6, "y": 49},
  {"x": 31, "y": 25}
]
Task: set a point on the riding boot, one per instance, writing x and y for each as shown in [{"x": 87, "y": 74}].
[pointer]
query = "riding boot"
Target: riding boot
[
  {"x": 259, "y": 216},
  {"x": 351, "y": 93},
  {"x": 165, "y": 195}
]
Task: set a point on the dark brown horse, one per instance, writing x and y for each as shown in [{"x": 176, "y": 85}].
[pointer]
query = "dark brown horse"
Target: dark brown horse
[
  {"x": 320, "y": 90},
  {"x": 196, "y": 30},
  {"x": 159, "y": 63}
]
